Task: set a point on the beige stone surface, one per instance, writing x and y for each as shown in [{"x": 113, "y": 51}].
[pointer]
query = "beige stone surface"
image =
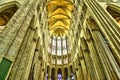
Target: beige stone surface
[{"x": 92, "y": 40}]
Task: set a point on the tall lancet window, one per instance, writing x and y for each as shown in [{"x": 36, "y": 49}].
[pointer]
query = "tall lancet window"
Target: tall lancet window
[
  {"x": 59, "y": 48},
  {"x": 59, "y": 45},
  {"x": 54, "y": 46},
  {"x": 64, "y": 45}
]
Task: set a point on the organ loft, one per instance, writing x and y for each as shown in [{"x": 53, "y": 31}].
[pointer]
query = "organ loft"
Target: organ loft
[{"x": 59, "y": 39}]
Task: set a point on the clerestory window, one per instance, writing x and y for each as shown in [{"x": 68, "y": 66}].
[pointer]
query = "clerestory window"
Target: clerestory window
[{"x": 58, "y": 46}]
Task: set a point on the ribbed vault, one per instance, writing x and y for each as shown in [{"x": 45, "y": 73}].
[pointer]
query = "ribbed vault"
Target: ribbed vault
[{"x": 59, "y": 15}]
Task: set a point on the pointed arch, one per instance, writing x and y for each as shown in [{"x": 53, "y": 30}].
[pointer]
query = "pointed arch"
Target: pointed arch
[
  {"x": 6, "y": 13},
  {"x": 114, "y": 12}
]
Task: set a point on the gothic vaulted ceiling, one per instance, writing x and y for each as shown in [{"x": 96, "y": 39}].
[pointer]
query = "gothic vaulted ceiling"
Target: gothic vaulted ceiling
[{"x": 59, "y": 15}]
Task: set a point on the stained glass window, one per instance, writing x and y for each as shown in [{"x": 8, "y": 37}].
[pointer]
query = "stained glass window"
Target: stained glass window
[
  {"x": 64, "y": 46},
  {"x": 59, "y": 77},
  {"x": 59, "y": 46},
  {"x": 54, "y": 46}
]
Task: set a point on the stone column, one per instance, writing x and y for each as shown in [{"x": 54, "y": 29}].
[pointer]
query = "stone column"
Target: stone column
[
  {"x": 106, "y": 57},
  {"x": 16, "y": 46},
  {"x": 83, "y": 66},
  {"x": 40, "y": 70},
  {"x": 88, "y": 60},
  {"x": 45, "y": 71},
  {"x": 75, "y": 75},
  {"x": 69, "y": 73},
  {"x": 49, "y": 73},
  {"x": 94, "y": 56},
  {"x": 56, "y": 73},
  {"x": 63, "y": 74},
  {"x": 79, "y": 72},
  {"x": 74, "y": 71},
  {"x": 44, "y": 76},
  {"x": 108, "y": 27}
]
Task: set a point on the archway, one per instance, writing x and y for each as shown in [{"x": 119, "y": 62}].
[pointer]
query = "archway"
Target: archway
[
  {"x": 6, "y": 15},
  {"x": 59, "y": 75},
  {"x": 114, "y": 13}
]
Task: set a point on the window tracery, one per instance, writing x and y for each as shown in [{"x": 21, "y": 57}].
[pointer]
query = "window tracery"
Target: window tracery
[{"x": 58, "y": 46}]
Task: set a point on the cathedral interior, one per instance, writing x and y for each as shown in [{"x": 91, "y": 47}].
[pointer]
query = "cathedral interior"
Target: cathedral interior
[{"x": 59, "y": 39}]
